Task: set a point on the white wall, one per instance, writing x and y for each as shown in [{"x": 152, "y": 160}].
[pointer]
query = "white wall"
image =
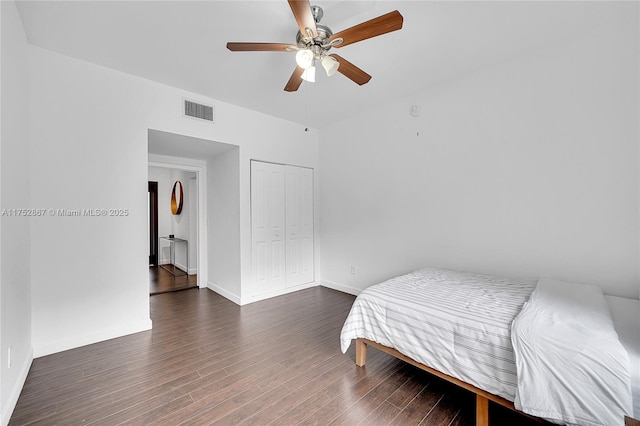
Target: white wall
[
  {"x": 15, "y": 274},
  {"x": 89, "y": 150},
  {"x": 192, "y": 212},
  {"x": 223, "y": 185},
  {"x": 526, "y": 168}
]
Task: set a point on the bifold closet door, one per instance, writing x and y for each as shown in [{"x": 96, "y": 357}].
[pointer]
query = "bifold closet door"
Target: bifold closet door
[
  {"x": 281, "y": 225},
  {"x": 268, "y": 225},
  {"x": 299, "y": 225}
]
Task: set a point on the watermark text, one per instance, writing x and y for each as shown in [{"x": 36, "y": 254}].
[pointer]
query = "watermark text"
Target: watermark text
[{"x": 64, "y": 212}]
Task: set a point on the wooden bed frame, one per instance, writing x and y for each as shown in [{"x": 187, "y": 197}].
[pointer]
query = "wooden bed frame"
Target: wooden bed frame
[{"x": 482, "y": 397}]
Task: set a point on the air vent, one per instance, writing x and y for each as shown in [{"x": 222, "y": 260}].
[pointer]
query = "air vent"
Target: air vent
[{"x": 199, "y": 111}]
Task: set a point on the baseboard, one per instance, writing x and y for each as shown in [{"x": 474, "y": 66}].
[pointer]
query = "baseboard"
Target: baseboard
[
  {"x": 341, "y": 287},
  {"x": 269, "y": 295},
  {"x": 181, "y": 266},
  {"x": 78, "y": 341},
  {"x": 224, "y": 293},
  {"x": 12, "y": 400},
  {"x": 256, "y": 298}
]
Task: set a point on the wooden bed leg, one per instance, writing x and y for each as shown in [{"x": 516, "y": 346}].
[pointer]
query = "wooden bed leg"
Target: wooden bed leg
[
  {"x": 361, "y": 352},
  {"x": 482, "y": 411}
]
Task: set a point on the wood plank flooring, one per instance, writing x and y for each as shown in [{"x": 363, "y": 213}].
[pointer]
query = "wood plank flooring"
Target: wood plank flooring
[
  {"x": 161, "y": 281},
  {"x": 209, "y": 361}
]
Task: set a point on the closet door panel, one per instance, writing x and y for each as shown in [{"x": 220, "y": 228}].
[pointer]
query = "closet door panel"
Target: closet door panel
[
  {"x": 306, "y": 226},
  {"x": 268, "y": 226},
  {"x": 299, "y": 223}
]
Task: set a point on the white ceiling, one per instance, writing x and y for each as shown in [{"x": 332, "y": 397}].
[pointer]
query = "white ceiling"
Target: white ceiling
[
  {"x": 183, "y": 44},
  {"x": 173, "y": 145}
]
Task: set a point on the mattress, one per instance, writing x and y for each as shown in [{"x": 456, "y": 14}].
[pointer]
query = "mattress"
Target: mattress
[
  {"x": 626, "y": 318},
  {"x": 456, "y": 322}
]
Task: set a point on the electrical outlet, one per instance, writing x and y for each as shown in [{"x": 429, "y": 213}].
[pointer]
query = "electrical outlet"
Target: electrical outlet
[
  {"x": 9, "y": 357},
  {"x": 354, "y": 269}
]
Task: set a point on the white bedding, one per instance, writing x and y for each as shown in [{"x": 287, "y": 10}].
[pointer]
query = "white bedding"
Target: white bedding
[
  {"x": 456, "y": 322},
  {"x": 571, "y": 367},
  {"x": 626, "y": 318}
]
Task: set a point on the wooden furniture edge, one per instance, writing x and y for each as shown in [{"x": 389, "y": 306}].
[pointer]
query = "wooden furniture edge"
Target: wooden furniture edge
[
  {"x": 628, "y": 421},
  {"x": 482, "y": 397}
]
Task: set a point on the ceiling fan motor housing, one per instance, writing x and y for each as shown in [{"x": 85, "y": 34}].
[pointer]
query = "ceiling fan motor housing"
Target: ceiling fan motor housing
[
  {"x": 322, "y": 41},
  {"x": 317, "y": 13}
]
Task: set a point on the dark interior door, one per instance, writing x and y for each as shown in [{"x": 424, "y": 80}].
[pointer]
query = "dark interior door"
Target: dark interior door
[{"x": 153, "y": 223}]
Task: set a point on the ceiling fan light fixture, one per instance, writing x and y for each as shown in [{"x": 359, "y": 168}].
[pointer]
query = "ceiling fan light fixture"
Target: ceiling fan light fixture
[
  {"x": 330, "y": 65},
  {"x": 313, "y": 41},
  {"x": 304, "y": 58},
  {"x": 309, "y": 74}
]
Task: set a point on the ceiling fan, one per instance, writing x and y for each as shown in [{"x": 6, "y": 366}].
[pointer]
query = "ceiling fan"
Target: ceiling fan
[{"x": 314, "y": 41}]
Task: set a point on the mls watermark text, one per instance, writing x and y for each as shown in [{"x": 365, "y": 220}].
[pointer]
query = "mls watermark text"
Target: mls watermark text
[{"x": 64, "y": 212}]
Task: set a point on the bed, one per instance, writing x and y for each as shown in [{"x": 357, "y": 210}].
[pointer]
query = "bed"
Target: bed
[
  {"x": 458, "y": 326},
  {"x": 625, "y": 313}
]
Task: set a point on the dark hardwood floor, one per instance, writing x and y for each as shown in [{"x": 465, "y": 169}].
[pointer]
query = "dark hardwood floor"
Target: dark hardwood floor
[
  {"x": 209, "y": 361},
  {"x": 161, "y": 281}
]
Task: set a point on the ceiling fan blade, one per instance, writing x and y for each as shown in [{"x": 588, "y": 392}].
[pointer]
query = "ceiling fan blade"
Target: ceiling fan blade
[
  {"x": 295, "y": 80},
  {"x": 350, "y": 71},
  {"x": 387, "y": 23},
  {"x": 261, "y": 47},
  {"x": 302, "y": 12}
]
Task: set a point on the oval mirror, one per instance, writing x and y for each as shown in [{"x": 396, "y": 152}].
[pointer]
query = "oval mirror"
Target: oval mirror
[{"x": 176, "y": 198}]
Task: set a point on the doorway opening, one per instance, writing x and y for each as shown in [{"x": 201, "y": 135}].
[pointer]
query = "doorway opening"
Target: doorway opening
[
  {"x": 208, "y": 172},
  {"x": 173, "y": 232},
  {"x": 153, "y": 223}
]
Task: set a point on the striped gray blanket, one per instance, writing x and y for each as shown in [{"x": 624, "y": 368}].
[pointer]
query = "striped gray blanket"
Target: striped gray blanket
[{"x": 456, "y": 322}]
